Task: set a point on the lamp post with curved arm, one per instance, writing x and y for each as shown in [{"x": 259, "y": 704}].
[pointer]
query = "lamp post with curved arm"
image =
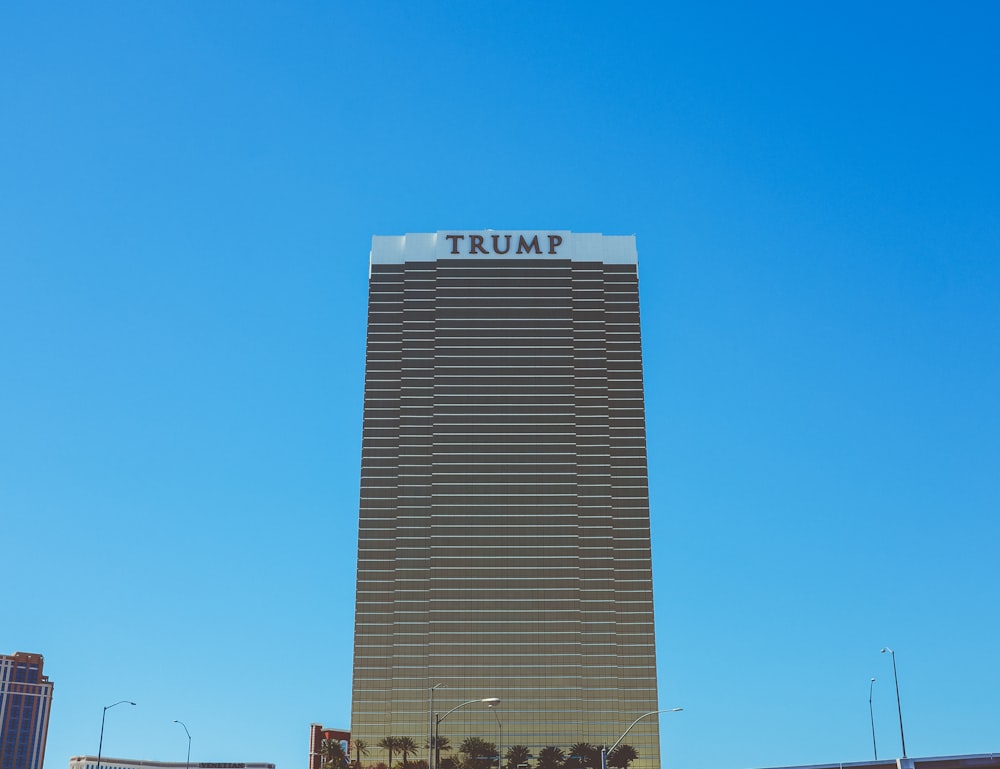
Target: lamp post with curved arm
[
  {"x": 899, "y": 709},
  {"x": 188, "y": 764},
  {"x": 605, "y": 749},
  {"x": 431, "y": 747},
  {"x": 100, "y": 745},
  {"x": 493, "y": 707},
  {"x": 438, "y": 718},
  {"x": 871, "y": 713}
]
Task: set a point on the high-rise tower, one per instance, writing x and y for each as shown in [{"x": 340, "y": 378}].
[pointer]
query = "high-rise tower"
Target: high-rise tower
[
  {"x": 25, "y": 701},
  {"x": 504, "y": 525}
]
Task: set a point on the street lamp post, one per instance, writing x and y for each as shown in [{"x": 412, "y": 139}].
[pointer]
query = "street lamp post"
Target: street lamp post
[
  {"x": 431, "y": 747},
  {"x": 438, "y": 718},
  {"x": 605, "y": 749},
  {"x": 899, "y": 708},
  {"x": 499, "y": 734},
  {"x": 100, "y": 745},
  {"x": 872, "y": 714},
  {"x": 187, "y": 765}
]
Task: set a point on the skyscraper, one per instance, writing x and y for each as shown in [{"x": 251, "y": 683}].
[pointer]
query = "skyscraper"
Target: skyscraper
[
  {"x": 504, "y": 524},
  {"x": 25, "y": 701}
]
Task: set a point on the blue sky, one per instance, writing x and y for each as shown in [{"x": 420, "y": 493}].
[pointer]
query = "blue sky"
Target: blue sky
[{"x": 187, "y": 196}]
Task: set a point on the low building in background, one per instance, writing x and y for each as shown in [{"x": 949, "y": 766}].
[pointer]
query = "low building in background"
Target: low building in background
[
  {"x": 971, "y": 761},
  {"x": 318, "y": 734},
  {"x": 25, "y": 702},
  {"x": 90, "y": 762}
]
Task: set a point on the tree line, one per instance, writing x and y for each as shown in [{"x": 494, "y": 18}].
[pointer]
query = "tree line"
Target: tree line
[{"x": 474, "y": 753}]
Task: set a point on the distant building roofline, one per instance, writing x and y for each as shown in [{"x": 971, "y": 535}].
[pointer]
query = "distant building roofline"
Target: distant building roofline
[
  {"x": 106, "y": 761},
  {"x": 966, "y": 760}
]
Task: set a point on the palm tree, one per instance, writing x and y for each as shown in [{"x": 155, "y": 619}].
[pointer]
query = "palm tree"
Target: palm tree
[
  {"x": 441, "y": 743},
  {"x": 390, "y": 744},
  {"x": 550, "y": 758},
  {"x": 333, "y": 753},
  {"x": 477, "y": 749},
  {"x": 517, "y": 755},
  {"x": 581, "y": 754},
  {"x": 406, "y": 746},
  {"x": 622, "y": 756},
  {"x": 360, "y": 749}
]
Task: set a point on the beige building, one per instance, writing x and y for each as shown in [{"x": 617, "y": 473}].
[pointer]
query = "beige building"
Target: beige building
[
  {"x": 504, "y": 525},
  {"x": 90, "y": 762}
]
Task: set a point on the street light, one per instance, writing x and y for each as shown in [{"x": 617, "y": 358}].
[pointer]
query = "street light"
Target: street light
[
  {"x": 431, "y": 747},
  {"x": 899, "y": 709},
  {"x": 604, "y": 748},
  {"x": 100, "y": 744},
  {"x": 438, "y": 718},
  {"x": 872, "y": 714},
  {"x": 499, "y": 732},
  {"x": 188, "y": 764}
]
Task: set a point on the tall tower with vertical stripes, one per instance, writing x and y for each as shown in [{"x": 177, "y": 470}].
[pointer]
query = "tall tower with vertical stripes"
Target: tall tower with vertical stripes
[
  {"x": 25, "y": 702},
  {"x": 504, "y": 545}
]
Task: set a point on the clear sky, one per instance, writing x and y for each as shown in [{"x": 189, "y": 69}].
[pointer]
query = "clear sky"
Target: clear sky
[{"x": 187, "y": 196}]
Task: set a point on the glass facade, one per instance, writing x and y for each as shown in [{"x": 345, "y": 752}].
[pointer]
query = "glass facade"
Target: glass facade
[{"x": 504, "y": 524}]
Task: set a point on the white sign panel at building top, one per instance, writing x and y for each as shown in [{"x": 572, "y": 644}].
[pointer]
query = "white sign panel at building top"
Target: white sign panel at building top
[{"x": 503, "y": 244}]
